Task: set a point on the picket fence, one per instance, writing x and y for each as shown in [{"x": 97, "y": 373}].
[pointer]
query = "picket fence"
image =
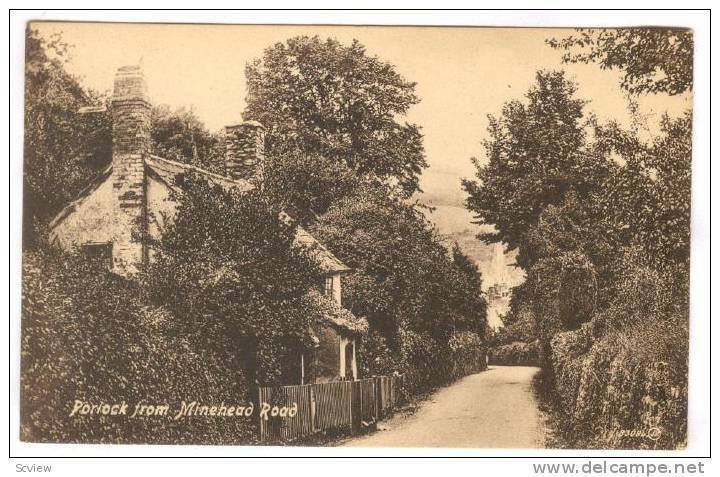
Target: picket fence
[{"x": 336, "y": 406}]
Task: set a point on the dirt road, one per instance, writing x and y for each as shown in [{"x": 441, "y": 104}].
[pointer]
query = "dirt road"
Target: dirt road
[{"x": 495, "y": 408}]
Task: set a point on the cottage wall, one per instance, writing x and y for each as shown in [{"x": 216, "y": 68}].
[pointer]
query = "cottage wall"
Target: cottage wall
[
  {"x": 161, "y": 208},
  {"x": 90, "y": 219}
]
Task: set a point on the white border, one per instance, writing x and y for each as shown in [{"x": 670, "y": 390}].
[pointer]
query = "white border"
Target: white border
[{"x": 699, "y": 423}]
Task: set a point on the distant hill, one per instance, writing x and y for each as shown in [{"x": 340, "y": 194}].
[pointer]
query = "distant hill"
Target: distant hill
[{"x": 455, "y": 224}]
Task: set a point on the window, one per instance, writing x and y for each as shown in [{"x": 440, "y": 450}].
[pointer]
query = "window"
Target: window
[
  {"x": 328, "y": 287},
  {"x": 99, "y": 252}
]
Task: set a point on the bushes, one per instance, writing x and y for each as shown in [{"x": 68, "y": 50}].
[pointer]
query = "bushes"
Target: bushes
[
  {"x": 517, "y": 353},
  {"x": 424, "y": 362},
  {"x": 467, "y": 354},
  {"x": 375, "y": 357},
  {"x": 616, "y": 374},
  {"x": 629, "y": 380},
  {"x": 89, "y": 335},
  {"x": 427, "y": 364}
]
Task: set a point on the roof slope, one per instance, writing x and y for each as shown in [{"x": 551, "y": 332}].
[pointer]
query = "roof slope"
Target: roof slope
[
  {"x": 92, "y": 186},
  {"x": 167, "y": 170}
]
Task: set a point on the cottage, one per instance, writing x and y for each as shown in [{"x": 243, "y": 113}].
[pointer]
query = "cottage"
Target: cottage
[{"x": 138, "y": 191}]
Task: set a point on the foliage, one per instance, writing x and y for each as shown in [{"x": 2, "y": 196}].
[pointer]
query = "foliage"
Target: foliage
[
  {"x": 427, "y": 363},
  {"x": 653, "y": 60},
  {"x": 306, "y": 185},
  {"x": 575, "y": 226},
  {"x": 648, "y": 198},
  {"x": 468, "y": 354},
  {"x": 424, "y": 362},
  {"x": 90, "y": 335},
  {"x": 634, "y": 378},
  {"x": 536, "y": 154},
  {"x": 180, "y": 136},
  {"x": 402, "y": 274},
  {"x": 375, "y": 357},
  {"x": 227, "y": 257},
  {"x": 414, "y": 292},
  {"x": 517, "y": 353},
  {"x": 466, "y": 300},
  {"x": 519, "y": 324},
  {"x": 62, "y": 148},
  {"x": 325, "y": 98}
]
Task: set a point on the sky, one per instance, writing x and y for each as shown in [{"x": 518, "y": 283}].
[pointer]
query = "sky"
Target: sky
[{"x": 462, "y": 74}]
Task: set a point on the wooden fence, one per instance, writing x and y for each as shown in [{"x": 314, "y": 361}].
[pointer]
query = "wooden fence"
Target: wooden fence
[{"x": 298, "y": 411}]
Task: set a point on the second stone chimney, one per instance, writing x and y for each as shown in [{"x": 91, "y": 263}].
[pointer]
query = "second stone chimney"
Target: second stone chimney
[
  {"x": 130, "y": 145},
  {"x": 244, "y": 150}
]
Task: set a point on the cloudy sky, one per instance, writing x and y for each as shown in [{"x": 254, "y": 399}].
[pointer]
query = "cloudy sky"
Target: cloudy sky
[{"x": 462, "y": 75}]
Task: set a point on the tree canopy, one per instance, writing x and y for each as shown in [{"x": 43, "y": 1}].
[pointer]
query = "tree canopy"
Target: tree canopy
[
  {"x": 179, "y": 135},
  {"x": 652, "y": 60},
  {"x": 322, "y": 97},
  {"x": 536, "y": 153},
  {"x": 228, "y": 259},
  {"x": 403, "y": 276},
  {"x": 62, "y": 148}
]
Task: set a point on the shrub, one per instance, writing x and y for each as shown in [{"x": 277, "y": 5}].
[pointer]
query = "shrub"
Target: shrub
[
  {"x": 467, "y": 354},
  {"x": 633, "y": 379},
  {"x": 376, "y": 358},
  {"x": 89, "y": 335},
  {"x": 517, "y": 353},
  {"x": 425, "y": 362}
]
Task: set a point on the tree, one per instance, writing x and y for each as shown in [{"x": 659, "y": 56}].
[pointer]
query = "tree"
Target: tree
[
  {"x": 653, "y": 60},
  {"x": 306, "y": 185},
  {"x": 393, "y": 253},
  {"x": 663, "y": 226},
  {"x": 321, "y": 97},
  {"x": 228, "y": 260},
  {"x": 645, "y": 201},
  {"x": 536, "y": 154},
  {"x": 179, "y": 135},
  {"x": 404, "y": 279},
  {"x": 467, "y": 301},
  {"x": 63, "y": 149}
]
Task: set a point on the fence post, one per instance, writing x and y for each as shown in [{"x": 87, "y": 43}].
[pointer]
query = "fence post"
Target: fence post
[
  {"x": 313, "y": 410},
  {"x": 355, "y": 407},
  {"x": 378, "y": 397}
]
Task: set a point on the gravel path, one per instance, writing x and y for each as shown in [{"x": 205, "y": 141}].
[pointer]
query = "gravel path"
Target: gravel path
[{"x": 495, "y": 408}]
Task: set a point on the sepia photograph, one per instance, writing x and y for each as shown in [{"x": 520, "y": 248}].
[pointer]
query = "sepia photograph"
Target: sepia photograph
[{"x": 455, "y": 237}]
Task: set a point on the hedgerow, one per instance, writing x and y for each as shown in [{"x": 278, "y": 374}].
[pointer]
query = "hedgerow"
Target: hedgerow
[{"x": 89, "y": 335}]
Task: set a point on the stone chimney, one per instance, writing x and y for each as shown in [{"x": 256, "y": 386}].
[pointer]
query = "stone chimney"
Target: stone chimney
[
  {"x": 130, "y": 145},
  {"x": 244, "y": 150}
]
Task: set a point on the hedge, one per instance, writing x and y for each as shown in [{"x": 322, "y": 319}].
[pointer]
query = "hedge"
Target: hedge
[
  {"x": 517, "y": 353},
  {"x": 628, "y": 389},
  {"x": 87, "y": 335}
]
